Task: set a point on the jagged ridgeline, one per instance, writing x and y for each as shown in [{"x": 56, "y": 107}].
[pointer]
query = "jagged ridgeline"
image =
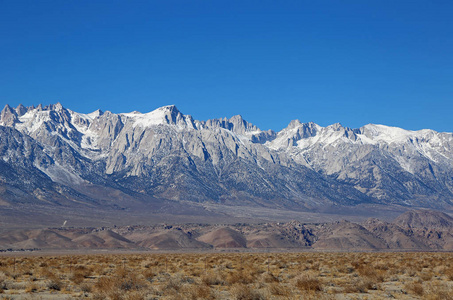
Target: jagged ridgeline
[{"x": 57, "y": 156}]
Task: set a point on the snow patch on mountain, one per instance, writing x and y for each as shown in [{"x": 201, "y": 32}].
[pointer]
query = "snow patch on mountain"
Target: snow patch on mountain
[
  {"x": 32, "y": 121},
  {"x": 166, "y": 115},
  {"x": 388, "y": 134}
]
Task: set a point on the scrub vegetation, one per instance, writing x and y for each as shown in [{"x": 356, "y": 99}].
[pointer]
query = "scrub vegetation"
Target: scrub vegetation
[{"x": 304, "y": 275}]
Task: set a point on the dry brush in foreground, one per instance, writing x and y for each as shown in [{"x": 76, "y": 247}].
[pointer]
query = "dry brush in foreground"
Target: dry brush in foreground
[{"x": 307, "y": 275}]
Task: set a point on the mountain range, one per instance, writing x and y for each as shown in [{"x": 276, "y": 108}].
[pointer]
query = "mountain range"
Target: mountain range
[{"x": 54, "y": 157}]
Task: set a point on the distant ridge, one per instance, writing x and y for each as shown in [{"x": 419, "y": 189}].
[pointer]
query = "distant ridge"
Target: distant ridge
[
  {"x": 370, "y": 235},
  {"x": 425, "y": 219}
]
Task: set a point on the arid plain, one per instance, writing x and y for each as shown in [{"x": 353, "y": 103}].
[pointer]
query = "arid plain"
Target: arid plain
[
  {"x": 409, "y": 258},
  {"x": 229, "y": 275}
]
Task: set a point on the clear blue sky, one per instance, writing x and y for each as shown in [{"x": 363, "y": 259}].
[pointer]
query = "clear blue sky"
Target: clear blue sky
[{"x": 353, "y": 62}]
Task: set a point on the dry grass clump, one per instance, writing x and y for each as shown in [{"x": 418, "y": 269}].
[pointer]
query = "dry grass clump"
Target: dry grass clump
[
  {"x": 438, "y": 290},
  {"x": 199, "y": 291},
  {"x": 119, "y": 283},
  {"x": 415, "y": 288},
  {"x": 449, "y": 273},
  {"x": 308, "y": 283},
  {"x": 268, "y": 278},
  {"x": 80, "y": 273},
  {"x": 240, "y": 277},
  {"x": 213, "y": 278},
  {"x": 358, "y": 285},
  {"x": 32, "y": 287},
  {"x": 242, "y": 291},
  {"x": 54, "y": 284},
  {"x": 307, "y": 275},
  {"x": 278, "y": 289}
]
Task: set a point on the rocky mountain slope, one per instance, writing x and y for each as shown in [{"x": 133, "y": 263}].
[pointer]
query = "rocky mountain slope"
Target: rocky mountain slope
[{"x": 54, "y": 156}]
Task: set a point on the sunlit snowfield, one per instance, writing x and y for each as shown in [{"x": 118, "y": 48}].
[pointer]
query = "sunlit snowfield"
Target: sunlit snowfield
[{"x": 308, "y": 275}]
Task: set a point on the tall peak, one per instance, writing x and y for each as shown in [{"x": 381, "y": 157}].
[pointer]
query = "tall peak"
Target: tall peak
[
  {"x": 236, "y": 124},
  {"x": 237, "y": 118},
  {"x": 294, "y": 124},
  {"x": 7, "y": 108},
  {"x": 239, "y": 125},
  {"x": 8, "y": 116},
  {"x": 96, "y": 113},
  {"x": 169, "y": 115},
  {"x": 336, "y": 126},
  {"x": 171, "y": 108},
  {"x": 21, "y": 110},
  {"x": 58, "y": 106}
]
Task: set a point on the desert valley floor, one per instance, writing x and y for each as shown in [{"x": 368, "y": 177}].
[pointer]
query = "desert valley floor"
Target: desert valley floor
[
  {"x": 407, "y": 258},
  {"x": 284, "y": 275}
]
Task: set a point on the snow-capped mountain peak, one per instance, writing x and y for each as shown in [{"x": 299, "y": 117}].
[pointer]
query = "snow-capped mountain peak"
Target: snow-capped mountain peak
[
  {"x": 165, "y": 115},
  {"x": 174, "y": 156},
  {"x": 95, "y": 114},
  {"x": 387, "y": 134}
]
